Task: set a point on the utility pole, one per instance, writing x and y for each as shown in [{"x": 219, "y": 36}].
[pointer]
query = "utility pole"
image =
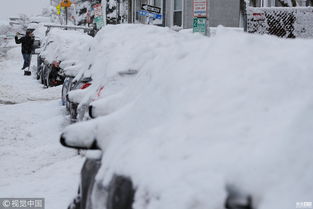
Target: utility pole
[{"x": 66, "y": 16}]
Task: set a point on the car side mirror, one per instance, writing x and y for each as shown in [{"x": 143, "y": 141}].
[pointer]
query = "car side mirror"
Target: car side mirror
[{"x": 78, "y": 144}]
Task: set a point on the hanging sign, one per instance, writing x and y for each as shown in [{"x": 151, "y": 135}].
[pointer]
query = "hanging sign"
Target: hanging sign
[
  {"x": 149, "y": 14},
  {"x": 58, "y": 9},
  {"x": 200, "y": 25},
  {"x": 200, "y": 8},
  {"x": 150, "y": 8},
  {"x": 66, "y": 3},
  {"x": 98, "y": 15}
]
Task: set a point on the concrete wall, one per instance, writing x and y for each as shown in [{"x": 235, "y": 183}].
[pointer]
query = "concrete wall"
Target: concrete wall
[
  {"x": 188, "y": 14},
  {"x": 221, "y": 12},
  {"x": 224, "y": 12},
  {"x": 168, "y": 6}
]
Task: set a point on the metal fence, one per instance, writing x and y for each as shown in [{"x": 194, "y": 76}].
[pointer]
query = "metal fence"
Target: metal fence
[{"x": 286, "y": 22}]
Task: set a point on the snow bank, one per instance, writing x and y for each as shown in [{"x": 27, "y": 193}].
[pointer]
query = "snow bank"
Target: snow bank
[
  {"x": 33, "y": 163},
  {"x": 203, "y": 113}
]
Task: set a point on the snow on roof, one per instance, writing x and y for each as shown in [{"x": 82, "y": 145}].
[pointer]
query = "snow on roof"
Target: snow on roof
[{"x": 203, "y": 113}]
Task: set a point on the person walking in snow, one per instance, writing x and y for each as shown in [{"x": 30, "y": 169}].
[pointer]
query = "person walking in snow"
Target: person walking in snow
[{"x": 27, "y": 42}]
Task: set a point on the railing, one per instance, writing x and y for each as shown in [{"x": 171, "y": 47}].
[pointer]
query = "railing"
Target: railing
[
  {"x": 71, "y": 27},
  {"x": 286, "y": 22}
]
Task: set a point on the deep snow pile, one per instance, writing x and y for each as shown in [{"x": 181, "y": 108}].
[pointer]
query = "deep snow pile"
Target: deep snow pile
[
  {"x": 203, "y": 113},
  {"x": 16, "y": 88},
  {"x": 33, "y": 162}
]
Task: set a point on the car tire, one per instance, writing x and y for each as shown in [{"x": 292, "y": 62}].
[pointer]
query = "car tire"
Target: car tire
[
  {"x": 42, "y": 74},
  {"x": 47, "y": 76},
  {"x": 73, "y": 111},
  {"x": 121, "y": 193},
  {"x": 39, "y": 67},
  {"x": 65, "y": 89}
]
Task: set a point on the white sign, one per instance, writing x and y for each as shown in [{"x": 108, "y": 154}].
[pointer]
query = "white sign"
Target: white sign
[
  {"x": 98, "y": 10},
  {"x": 200, "y": 8}
]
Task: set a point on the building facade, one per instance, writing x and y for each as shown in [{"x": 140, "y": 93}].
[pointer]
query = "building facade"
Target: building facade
[
  {"x": 179, "y": 13},
  {"x": 280, "y": 3}
]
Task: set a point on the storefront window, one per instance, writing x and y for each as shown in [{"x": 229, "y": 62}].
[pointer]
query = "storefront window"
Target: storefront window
[
  {"x": 178, "y": 13},
  {"x": 178, "y": 5}
]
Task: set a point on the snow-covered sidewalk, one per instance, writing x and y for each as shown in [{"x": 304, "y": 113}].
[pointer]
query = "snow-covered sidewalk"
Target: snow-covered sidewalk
[
  {"x": 15, "y": 88},
  {"x": 32, "y": 161}
]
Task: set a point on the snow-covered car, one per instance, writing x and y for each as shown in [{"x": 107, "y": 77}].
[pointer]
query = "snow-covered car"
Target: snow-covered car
[
  {"x": 87, "y": 179},
  {"x": 77, "y": 87},
  {"x": 107, "y": 81},
  {"x": 62, "y": 53},
  {"x": 194, "y": 130},
  {"x": 87, "y": 103}
]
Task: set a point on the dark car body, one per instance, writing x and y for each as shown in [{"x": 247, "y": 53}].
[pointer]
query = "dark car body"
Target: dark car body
[
  {"x": 70, "y": 85},
  {"x": 87, "y": 180}
]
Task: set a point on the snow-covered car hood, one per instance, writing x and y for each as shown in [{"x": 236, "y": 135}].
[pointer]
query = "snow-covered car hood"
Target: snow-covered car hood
[{"x": 204, "y": 113}]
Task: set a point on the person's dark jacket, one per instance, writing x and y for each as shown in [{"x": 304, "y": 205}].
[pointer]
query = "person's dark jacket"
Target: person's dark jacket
[{"x": 27, "y": 43}]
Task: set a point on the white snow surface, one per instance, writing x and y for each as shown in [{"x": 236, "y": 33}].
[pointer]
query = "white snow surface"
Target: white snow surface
[
  {"x": 33, "y": 162},
  {"x": 203, "y": 113}
]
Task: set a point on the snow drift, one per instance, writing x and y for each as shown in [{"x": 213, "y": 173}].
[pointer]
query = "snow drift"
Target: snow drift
[{"x": 204, "y": 113}]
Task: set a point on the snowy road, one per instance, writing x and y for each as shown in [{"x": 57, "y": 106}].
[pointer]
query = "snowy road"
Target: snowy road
[{"x": 32, "y": 162}]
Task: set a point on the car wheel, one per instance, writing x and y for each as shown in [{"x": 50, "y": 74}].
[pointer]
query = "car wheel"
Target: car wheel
[
  {"x": 39, "y": 66},
  {"x": 121, "y": 193},
  {"x": 76, "y": 204},
  {"x": 42, "y": 74},
  {"x": 65, "y": 89},
  {"x": 73, "y": 111},
  {"x": 47, "y": 76},
  {"x": 39, "y": 69},
  {"x": 236, "y": 199}
]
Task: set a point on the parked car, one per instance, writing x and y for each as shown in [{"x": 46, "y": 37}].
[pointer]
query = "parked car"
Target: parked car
[
  {"x": 75, "y": 86},
  {"x": 49, "y": 73},
  {"x": 66, "y": 87},
  {"x": 120, "y": 192},
  {"x": 190, "y": 130},
  {"x": 87, "y": 180},
  {"x": 82, "y": 103},
  {"x": 56, "y": 55},
  {"x": 105, "y": 104}
]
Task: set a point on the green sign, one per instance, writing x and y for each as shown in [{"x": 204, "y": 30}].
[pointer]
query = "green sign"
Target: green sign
[
  {"x": 200, "y": 25},
  {"x": 99, "y": 22}
]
